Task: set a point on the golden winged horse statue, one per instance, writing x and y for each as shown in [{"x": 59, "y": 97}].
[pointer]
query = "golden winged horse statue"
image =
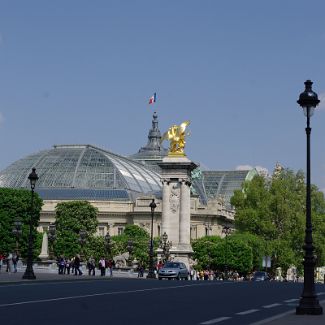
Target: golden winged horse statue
[{"x": 176, "y": 136}]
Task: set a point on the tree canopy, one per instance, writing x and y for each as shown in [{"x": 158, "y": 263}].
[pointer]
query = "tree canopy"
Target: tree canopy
[
  {"x": 16, "y": 203},
  {"x": 71, "y": 218},
  {"x": 274, "y": 211},
  {"x": 270, "y": 221},
  {"x": 140, "y": 243},
  {"x": 213, "y": 252}
]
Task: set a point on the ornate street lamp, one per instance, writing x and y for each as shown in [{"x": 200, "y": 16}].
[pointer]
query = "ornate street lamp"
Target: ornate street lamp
[
  {"x": 130, "y": 250},
  {"x": 308, "y": 303},
  {"x": 29, "y": 272},
  {"x": 52, "y": 238},
  {"x": 16, "y": 231},
  {"x": 151, "y": 273},
  {"x": 165, "y": 245},
  {"x": 226, "y": 230},
  {"x": 108, "y": 244}
]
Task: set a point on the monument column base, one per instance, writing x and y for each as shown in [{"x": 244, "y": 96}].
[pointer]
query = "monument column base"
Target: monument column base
[{"x": 183, "y": 254}]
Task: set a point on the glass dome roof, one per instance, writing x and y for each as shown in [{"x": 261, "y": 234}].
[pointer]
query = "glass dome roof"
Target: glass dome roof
[
  {"x": 82, "y": 172},
  {"x": 224, "y": 183}
]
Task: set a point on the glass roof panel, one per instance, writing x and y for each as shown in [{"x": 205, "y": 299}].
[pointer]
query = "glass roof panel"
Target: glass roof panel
[{"x": 81, "y": 167}]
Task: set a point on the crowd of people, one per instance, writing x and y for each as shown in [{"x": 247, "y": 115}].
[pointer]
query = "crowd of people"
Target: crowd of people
[
  {"x": 73, "y": 265},
  {"x": 214, "y": 275},
  {"x": 9, "y": 262}
]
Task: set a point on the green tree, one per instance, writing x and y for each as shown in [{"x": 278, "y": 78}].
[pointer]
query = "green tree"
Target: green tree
[
  {"x": 140, "y": 240},
  {"x": 216, "y": 253},
  {"x": 209, "y": 252},
  {"x": 274, "y": 210},
  {"x": 96, "y": 247},
  {"x": 256, "y": 243},
  {"x": 239, "y": 255},
  {"x": 283, "y": 256},
  {"x": 71, "y": 218},
  {"x": 318, "y": 218},
  {"x": 16, "y": 203}
]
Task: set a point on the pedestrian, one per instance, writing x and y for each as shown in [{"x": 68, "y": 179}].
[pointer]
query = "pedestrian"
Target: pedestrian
[
  {"x": 102, "y": 265},
  {"x": 67, "y": 266},
  {"x": 61, "y": 264},
  {"x": 206, "y": 275},
  {"x": 140, "y": 271},
  {"x": 159, "y": 265},
  {"x": 91, "y": 265},
  {"x": 9, "y": 263},
  {"x": 72, "y": 265},
  {"x": 110, "y": 264},
  {"x": 77, "y": 263},
  {"x": 1, "y": 261},
  {"x": 15, "y": 259},
  {"x": 191, "y": 273}
]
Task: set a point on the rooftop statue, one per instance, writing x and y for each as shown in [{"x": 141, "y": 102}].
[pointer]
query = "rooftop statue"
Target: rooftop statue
[{"x": 176, "y": 136}]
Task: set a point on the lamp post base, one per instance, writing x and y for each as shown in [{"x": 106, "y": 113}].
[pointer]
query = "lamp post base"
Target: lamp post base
[
  {"x": 151, "y": 275},
  {"x": 29, "y": 275},
  {"x": 309, "y": 306}
]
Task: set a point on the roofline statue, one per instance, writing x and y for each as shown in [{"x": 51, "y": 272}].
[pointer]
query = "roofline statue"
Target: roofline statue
[{"x": 176, "y": 136}]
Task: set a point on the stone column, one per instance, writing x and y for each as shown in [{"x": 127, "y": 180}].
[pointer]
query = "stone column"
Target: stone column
[
  {"x": 173, "y": 211},
  {"x": 185, "y": 214},
  {"x": 165, "y": 217}
]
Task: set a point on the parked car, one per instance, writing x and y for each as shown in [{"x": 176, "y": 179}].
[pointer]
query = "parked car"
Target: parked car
[
  {"x": 173, "y": 270},
  {"x": 260, "y": 276}
]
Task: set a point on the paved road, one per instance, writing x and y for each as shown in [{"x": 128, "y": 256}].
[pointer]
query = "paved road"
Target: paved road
[{"x": 137, "y": 301}]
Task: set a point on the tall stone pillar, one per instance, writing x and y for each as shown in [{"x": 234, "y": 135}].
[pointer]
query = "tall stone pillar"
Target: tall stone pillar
[
  {"x": 185, "y": 215},
  {"x": 165, "y": 217},
  {"x": 176, "y": 205}
]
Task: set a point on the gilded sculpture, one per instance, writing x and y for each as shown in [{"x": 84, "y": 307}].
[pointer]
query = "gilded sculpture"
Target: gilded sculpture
[{"x": 176, "y": 136}]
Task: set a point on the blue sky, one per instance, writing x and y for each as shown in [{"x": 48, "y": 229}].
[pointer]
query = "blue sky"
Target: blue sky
[{"x": 82, "y": 72}]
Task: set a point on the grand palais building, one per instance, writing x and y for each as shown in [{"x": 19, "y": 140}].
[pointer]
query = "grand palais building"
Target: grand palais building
[{"x": 122, "y": 187}]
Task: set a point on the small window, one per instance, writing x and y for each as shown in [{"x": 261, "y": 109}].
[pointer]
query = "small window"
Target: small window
[
  {"x": 120, "y": 230},
  {"x": 101, "y": 231}
]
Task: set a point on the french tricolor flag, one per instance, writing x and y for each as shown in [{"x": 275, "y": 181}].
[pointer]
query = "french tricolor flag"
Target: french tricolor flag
[{"x": 152, "y": 99}]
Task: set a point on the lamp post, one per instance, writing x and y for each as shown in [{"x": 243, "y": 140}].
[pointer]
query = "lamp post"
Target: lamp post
[
  {"x": 29, "y": 272},
  {"x": 308, "y": 303},
  {"x": 108, "y": 244},
  {"x": 16, "y": 231},
  {"x": 226, "y": 230},
  {"x": 51, "y": 237},
  {"x": 130, "y": 250},
  {"x": 165, "y": 245},
  {"x": 151, "y": 273}
]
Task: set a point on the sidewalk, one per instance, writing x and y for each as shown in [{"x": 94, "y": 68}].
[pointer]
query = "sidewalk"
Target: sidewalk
[
  {"x": 290, "y": 318},
  {"x": 45, "y": 275}
]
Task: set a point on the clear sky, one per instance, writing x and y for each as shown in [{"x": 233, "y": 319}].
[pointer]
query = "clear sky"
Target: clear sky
[{"x": 82, "y": 72}]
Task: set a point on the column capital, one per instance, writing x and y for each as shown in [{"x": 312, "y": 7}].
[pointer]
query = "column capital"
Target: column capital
[
  {"x": 165, "y": 181},
  {"x": 185, "y": 182}
]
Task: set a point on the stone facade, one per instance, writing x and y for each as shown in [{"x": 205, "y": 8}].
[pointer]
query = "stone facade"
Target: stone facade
[{"x": 113, "y": 216}]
